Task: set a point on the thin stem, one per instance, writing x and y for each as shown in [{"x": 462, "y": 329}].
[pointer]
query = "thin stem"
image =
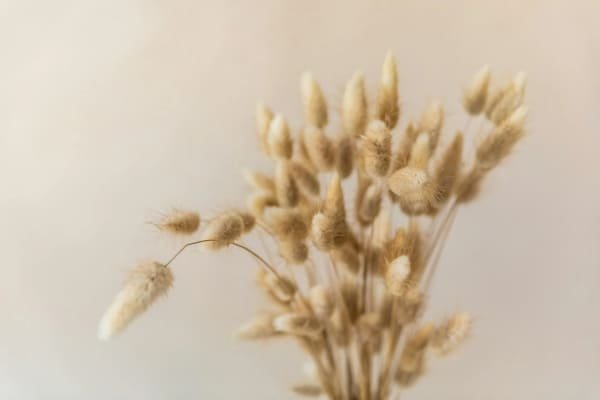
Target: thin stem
[{"x": 241, "y": 246}]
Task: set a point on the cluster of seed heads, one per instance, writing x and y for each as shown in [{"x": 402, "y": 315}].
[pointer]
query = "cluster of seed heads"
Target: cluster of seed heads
[{"x": 355, "y": 260}]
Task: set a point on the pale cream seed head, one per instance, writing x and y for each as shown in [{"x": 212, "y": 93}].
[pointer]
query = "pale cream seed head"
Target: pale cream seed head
[
  {"x": 420, "y": 152},
  {"x": 260, "y": 327},
  {"x": 145, "y": 284},
  {"x": 259, "y": 181},
  {"x": 319, "y": 147},
  {"x": 287, "y": 223},
  {"x": 264, "y": 116},
  {"x": 376, "y": 148},
  {"x": 180, "y": 222},
  {"x": 315, "y": 107},
  {"x": 397, "y": 274},
  {"x": 387, "y": 106},
  {"x": 321, "y": 301},
  {"x": 451, "y": 334},
  {"x": 280, "y": 139},
  {"x": 475, "y": 95},
  {"x": 431, "y": 122},
  {"x": 299, "y": 325},
  {"x": 223, "y": 230},
  {"x": 354, "y": 106},
  {"x": 286, "y": 189},
  {"x": 293, "y": 251}
]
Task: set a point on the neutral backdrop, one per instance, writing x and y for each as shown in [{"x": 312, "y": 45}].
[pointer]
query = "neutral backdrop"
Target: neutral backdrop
[{"x": 112, "y": 112}]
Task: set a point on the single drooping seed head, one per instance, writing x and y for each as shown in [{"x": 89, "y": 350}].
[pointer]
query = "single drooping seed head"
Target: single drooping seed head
[
  {"x": 315, "y": 107},
  {"x": 431, "y": 122},
  {"x": 354, "y": 106},
  {"x": 286, "y": 188},
  {"x": 397, "y": 273},
  {"x": 264, "y": 116},
  {"x": 376, "y": 148},
  {"x": 145, "y": 283},
  {"x": 180, "y": 222},
  {"x": 248, "y": 221},
  {"x": 387, "y": 108},
  {"x": 223, "y": 230},
  {"x": 475, "y": 95},
  {"x": 451, "y": 334},
  {"x": 319, "y": 147},
  {"x": 280, "y": 139},
  {"x": 298, "y": 325},
  {"x": 259, "y": 328}
]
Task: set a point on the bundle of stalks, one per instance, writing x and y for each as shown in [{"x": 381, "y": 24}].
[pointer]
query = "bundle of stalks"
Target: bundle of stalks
[{"x": 350, "y": 283}]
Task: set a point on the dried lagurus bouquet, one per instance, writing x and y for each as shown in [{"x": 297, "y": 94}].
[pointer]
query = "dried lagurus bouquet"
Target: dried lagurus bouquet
[{"x": 357, "y": 215}]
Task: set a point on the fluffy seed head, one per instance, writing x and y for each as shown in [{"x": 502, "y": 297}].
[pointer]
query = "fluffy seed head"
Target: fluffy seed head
[
  {"x": 354, "y": 106},
  {"x": 223, "y": 230},
  {"x": 506, "y": 99},
  {"x": 415, "y": 347},
  {"x": 420, "y": 152},
  {"x": 264, "y": 116},
  {"x": 280, "y": 139},
  {"x": 260, "y": 327},
  {"x": 396, "y": 275},
  {"x": 294, "y": 252},
  {"x": 370, "y": 204},
  {"x": 431, "y": 123},
  {"x": 315, "y": 108},
  {"x": 344, "y": 161},
  {"x": 447, "y": 170},
  {"x": 496, "y": 146},
  {"x": 286, "y": 188},
  {"x": 145, "y": 283},
  {"x": 347, "y": 257},
  {"x": 258, "y": 202},
  {"x": 404, "y": 146},
  {"x": 248, "y": 221},
  {"x": 376, "y": 149},
  {"x": 259, "y": 181},
  {"x": 180, "y": 222},
  {"x": 299, "y": 325},
  {"x": 306, "y": 180},
  {"x": 320, "y": 148},
  {"x": 321, "y": 301},
  {"x": 415, "y": 191},
  {"x": 475, "y": 95},
  {"x": 279, "y": 287},
  {"x": 333, "y": 205},
  {"x": 328, "y": 232},
  {"x": 387, "y": 107},
  {"x": 451, "y": 334},
  {"x": 287, "y": 223}
]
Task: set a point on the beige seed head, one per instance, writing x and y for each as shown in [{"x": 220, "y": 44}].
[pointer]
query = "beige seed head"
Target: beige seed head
[
  {"x": 307, "y": 390},
  {"x": 475, "y": 95},
  {"x": 328, "y": 232},
  {"x": 469, "y": 185},
  {"x": 370, "y": 205},
  {"x": 315, "y": 107},
  {"x": 431, "y": 122},
  {"x": 279, "y": 287},
  {"x": 405, "y": 144},
  {"x": 248, "y": 221},
  {"x": 259, "y": 328},
  {"x": 286, "y": 188},
  {"x": 346, "y": 257},
  {"x": 376, "y": 149},
  {"x": 294, "y": 252},
  {"x": 280, "y": 139},
  {"x": 259, "y": 181},
  {"x": 264, "y": 116},
  {"x": 387, "y": 107},
  {"x": 496, "y": 146},
  {"x": 344, "y": 161},
  {"x": 447, "y": 170},
  {"x": 411, "y": 305},
  {"x": 333, "y": 205},
  {"x": 420, "y": 152},
  {"x": 415, "y": 191},
  {"x": 415, "y": 348},
  {"x": 320, "y": 148},
  {"x": 223, "y": 230},
  {"x": 145, "y": 283},
  {"x": 451, "y": 334},
  {"x": 396, "y": 275},
  {"x": 299, "y": 325},
  {"x": 354, "y": 106},
  {"x": 306, "y": 180},
  {"x": 287, "y": 223},
  {"x": 506, "y": 100},
  {"x": 321, "y": 301},
  {"x": 180, "y": 222},
  {"x": 258, "y": 202}
]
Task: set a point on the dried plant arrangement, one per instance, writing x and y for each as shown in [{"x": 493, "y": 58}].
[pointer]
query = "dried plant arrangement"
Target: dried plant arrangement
[{"x": 359, "y": 221}]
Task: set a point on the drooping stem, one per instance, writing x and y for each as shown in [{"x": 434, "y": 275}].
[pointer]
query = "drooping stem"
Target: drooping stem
[{"x": 241, "y": 246}]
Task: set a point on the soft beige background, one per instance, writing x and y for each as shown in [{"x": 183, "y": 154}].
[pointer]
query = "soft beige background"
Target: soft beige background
[{"x": 113, "y": 111}]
